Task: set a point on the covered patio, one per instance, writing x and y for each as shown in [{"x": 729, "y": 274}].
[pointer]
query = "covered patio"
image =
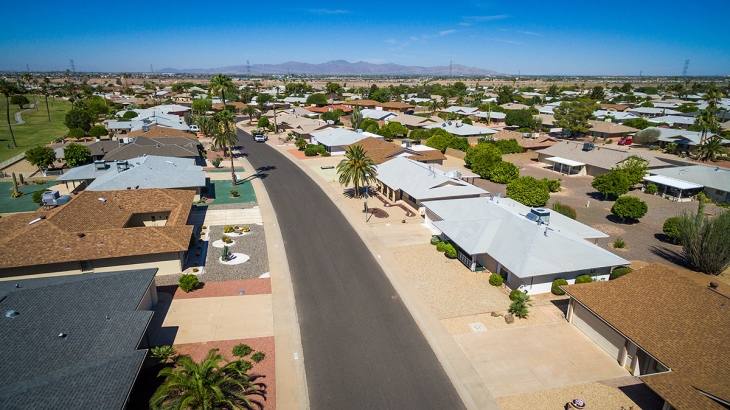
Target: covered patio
[
  {"x": 674, "y": 189},
  {"x": 567, "y": 166}
]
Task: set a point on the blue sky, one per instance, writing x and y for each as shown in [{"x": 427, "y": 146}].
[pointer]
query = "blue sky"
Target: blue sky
[{"x": 531, "y": 37}]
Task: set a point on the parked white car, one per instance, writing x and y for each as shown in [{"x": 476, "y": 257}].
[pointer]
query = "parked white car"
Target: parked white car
[{"x": 194, "y": 128}]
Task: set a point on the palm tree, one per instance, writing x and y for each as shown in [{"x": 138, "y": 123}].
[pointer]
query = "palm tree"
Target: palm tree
[
  {"x": 209, "y": 384},
  {"x": 712, "y": 96},
  {"x": 225, "y": 136},
  {"x": 711, "y": 149},
  {"x": 7, "y": 88},
  {"x": 44, "y": 90},
  {"x": 356, "y": 168},
  {"x": 250, "y": 111},
  {"x": 221, "y": 82},
  {"x": 707, "y": 121}
]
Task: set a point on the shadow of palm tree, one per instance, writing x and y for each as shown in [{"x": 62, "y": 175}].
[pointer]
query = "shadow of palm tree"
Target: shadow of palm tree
[{"x": 350, "y": 193}]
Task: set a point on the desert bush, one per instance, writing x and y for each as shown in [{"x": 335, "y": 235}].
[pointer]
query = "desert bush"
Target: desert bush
[
  {"x": 311, "y": 152},
  {"x": 671, "y": 229},
  {"x": 556, "y": 286},
  {"x": 188, "y": 282},
  {"x": 515, "y": 294},
  {"x": 164, "y": 354},
  {"x": 227, "y": 229},
  {"x": 629, "y": 207},
  {"x": 450, "y": 251},
  {"x": 553, "y": 185},
  {"x": 519, "y": 306},
  {"x": 216, "y": 162},
  {"x": 566, "y": 210},
  {"x": 651, "y": 189},
  {"x": 435, "y": 240},
  {"x": 441, "y": 246},
  {"x": 583, "y": 279},
  {"x": 619, "y": 243},
  {"x": 226, "y": 239},
  {"x": 234, "y": 193},
  {"x": 618, "y": 272},
  {"x": 495, "y": 279}
]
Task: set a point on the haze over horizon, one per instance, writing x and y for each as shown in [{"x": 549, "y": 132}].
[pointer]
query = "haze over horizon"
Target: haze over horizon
[{"x": 529, "y": 37}]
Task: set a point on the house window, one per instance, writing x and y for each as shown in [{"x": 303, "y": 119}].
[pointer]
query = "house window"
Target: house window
[
  {"x": 86, "y": 266},
  {"x": 504, "y": 273}
]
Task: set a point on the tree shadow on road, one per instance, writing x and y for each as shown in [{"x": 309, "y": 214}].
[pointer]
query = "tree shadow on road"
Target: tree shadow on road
[{"x": 671, "y": 255}]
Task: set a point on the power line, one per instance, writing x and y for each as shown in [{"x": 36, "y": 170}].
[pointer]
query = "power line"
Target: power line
[{"x": 152, "y": 69}]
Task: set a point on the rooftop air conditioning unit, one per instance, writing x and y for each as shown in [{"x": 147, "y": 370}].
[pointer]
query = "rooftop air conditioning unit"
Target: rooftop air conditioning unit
[
  {"x": 408, "y": 144},
  {"x": 100, "y": 165},
  {"x": 53, "y": 199},
  {"x": 122, "y": 165},
  {"x": 588, "y": 146},
  {"x": 539, "y": 215},
  {"x": 457, "y": 174}
]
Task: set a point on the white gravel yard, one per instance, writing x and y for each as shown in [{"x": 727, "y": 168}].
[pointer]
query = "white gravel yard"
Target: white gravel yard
[
  {"x": 449, "y": 287},
  {"x": 597, "y": 396}
]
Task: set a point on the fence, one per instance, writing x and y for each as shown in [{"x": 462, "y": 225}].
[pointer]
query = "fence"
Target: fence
[{"x": 12, "y": 160}]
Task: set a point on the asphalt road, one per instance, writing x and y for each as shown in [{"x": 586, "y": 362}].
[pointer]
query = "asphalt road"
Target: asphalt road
[{"x": 362, "y": 348}]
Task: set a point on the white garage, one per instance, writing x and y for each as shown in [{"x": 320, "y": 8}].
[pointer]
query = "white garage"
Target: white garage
[{"x": 601, "y": 333}]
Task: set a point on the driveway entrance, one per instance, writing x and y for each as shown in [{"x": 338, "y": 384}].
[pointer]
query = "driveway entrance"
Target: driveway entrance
[{"x": 531, "y": 358}]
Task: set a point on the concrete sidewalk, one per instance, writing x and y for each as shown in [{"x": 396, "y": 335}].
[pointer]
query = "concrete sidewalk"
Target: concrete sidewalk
[{"x": 464, "y": 377}]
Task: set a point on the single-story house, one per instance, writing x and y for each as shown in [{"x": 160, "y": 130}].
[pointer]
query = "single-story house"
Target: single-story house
[
  {"x": 362, "y": 104},
  {"x": 460, "y": 129},
  {"x": 336, "y": 139},
  {"x": 686, "y": 140},
  {"x": 515, "y": 106},
  {"x": 456, "y": 109},
  {"x": 382, "y": 151},
  {"x": 293, "y": 111},
  {"x": 529, "y": 248},
  {"x": 615, "y": 107},
  {"x": 618, "y": 116},
  {"x": 74, "y": 342},
  {"x": 377, "y": 115},
  {"x": 527, "y": 143},
  {"x": 673, "y": 181},
  {"x": 99, "y": 232},
  {"x": 650, "y": 112},
  {"x": 575, "y": 158},
  {"x": 606, "y": 129},
  {"x": 128, "y": 148},
  {"x": 156, "y": 131},
  {"x": 674, "y": 336},
  {"x": 678, "y": 121},
  {"x": 403, "y": 179},
  {"x": 413, "y": 122},
  {"x": 238, "y": 106},
  {"x": 328, "y": 108},
  {"x": 139, "y": 173},
  {"x": 492, "y": 117},
  {"x": 396, "y": 107}
]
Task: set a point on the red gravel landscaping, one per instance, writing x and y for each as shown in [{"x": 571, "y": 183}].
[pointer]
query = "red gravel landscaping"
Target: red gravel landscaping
[
  {"x": 227, "y": 288},
  {"x": 300, "y": 154},
  {"x": 265, "y": 368}
]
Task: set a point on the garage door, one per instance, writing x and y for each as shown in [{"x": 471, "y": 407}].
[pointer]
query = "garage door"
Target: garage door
[{"x": 610, "y": 340}]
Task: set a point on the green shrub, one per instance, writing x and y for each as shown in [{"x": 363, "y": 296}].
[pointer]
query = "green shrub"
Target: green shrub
[
  {"x": 556, "y": 286},
  {"x": 528, "y": 191},
  {"x": 241, "y": 350},
  {"x": 76, "y": 133},
  {"x": 435, "y": 240},
  {"x": 504, "y": 172},
  {"x": 311, "y": 152},
  {"x": 324, "y": 154},
  {"x": 37, "y": 195},
  {"x": 227, "y": 229},
  {"x": 619, "y": 243},
  {"x": 495, "y": 279},
  {"x": 670, "y": 227},
  {"x": 234, "y": 193},
  {"x": 188, "y": 282},
  {"x": 204, "y": 227},
  {"x": 515, "y": 294},
  {"x": 566, "y": 210},
  {"x": 519, "y": 306},
  {"x": 618, "y": 272},
  {"x": 553, "y": 185},
  {"x": 216, "y": 162},
  {"x": 226, "y": 239},
  {"x": 629, "y": 207},
  {"x": 245, "y": 229},
  {"x": 651, "y": 189},
  {"x": 450, "y": 251},
  {"x": 583, "y": 279},
  {"x": 195, "y": 270},
  {"x": 441, "y": 246},
  {"x": 164, "y": 354},
  {"x": 609, "y": 142}
]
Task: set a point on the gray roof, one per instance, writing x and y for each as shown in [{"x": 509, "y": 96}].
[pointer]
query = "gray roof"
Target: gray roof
[
  {"x": 516, "y": 242},
  {"x": 711, "y": 177},
  {"x": 673, "y": 119},
  {"x": 335, "y": 137},
  {"x": 96, "y": 364},
  {"x": 144, "y": 172},
  {"x": 376, "y": 114},
  {"x": 652, "y": 110},
  {"x": 423, "y": 181},
  {"x": 600, "y": 157},
  {"x": 463, "y": 130},
  {"x": 680, "y": 136},
  {"x": 181, "y": 147}
]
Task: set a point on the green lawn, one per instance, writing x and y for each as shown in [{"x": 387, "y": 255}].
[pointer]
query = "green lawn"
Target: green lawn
[
  {"x": 37, "y": 130},
  {"x": 24, "y": 203},
  {"x": 220, "y": 192}
]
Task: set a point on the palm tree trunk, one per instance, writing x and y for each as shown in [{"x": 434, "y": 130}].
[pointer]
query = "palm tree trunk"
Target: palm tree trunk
[
  {"x": 233, "y": 170},
  {"x": 47, "y": 110},
  {"x": 10, "y": 128}
]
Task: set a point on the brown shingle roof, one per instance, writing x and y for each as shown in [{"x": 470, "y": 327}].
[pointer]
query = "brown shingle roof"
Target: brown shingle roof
[
  {"x": 396, "y": 105},
  {"x": 159, "y": 132},
  {"x": 56, "y": 239},
  {"x": 382, "y": 151},
  {"x": 610, "y": 128},
  {"x": 181, "y": 147},
  {"x": 526, "y": 143},
  {"x": 674, "y": 317},
  {"x": 617, "y": 107}
]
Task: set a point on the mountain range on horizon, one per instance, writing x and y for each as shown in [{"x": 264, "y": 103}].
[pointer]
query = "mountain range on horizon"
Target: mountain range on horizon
[{"x": 336, "y": 67}]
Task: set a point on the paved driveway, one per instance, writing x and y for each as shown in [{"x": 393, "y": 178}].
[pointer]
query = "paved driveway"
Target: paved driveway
[
  {"x": 526, "y": 359},
  {"x": 215, "y": 217}
]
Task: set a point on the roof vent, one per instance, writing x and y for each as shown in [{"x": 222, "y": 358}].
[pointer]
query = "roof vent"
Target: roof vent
[
  {"x": 102, "y": 199},
  {"x": 588, "y": 146},
  {"x": 62, "y": 335},
  {"x": 11, "y": 314},
  {"x": 80, "y": 234},
  {"x": 713, "y": 285}
]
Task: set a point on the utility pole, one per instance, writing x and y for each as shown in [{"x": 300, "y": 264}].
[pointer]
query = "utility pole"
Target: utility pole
[
  {"x": 248, "y": 69},
  {"x": 27, "y": 67},
  {"x": 451, "y": 66},
  {"x": 152, "y": 69},
  {"x": 73, "y": 68},
  {"x": 276, "y": 126},
  {"x": 686, "y": 67}
]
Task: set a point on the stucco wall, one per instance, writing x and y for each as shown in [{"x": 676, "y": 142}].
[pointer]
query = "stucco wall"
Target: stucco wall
[
  {"x": 544, "y": 283},
  {"x": 455, "y": 153}
]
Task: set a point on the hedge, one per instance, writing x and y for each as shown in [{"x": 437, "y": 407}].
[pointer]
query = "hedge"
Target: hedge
[
  {"x": 583, "y": 279},
  {"x": 618, "y": 272},
  {"x": 450, "y": 251},
  {"x": 495, "y": 279},
  {"x": 556, "y": 283},
  {"x": 514, "y": 294},
  {"x": 435, "y": 240}
]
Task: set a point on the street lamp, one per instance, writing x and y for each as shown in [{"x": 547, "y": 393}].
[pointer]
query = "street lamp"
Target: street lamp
[{"x": 367, "y": 194}]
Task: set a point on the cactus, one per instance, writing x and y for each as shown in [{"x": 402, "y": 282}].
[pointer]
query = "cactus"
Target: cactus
[
  {"x": 22, "y": 181},
  {"x": 356, "y": 118},
  {"x": 226, "y": 254},
  {"x": 15, "y": 184}
]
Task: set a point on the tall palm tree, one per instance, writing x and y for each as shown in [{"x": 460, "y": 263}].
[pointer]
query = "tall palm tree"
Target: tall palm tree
[
  {"x": 221, "y": 82},
  {"x": 209, "y": 384},
  {"x": 7, "y": 88},
  {"x": 44, "y": 90},
  {"x": 225, "y": 136},
  {"x": 712, "y": 96},
  {"x": 250, "y": 111},
  {"x": 711, "y": 149},
  {"x": 356, "y": 168},
  {"x": 707, "y": 121}
]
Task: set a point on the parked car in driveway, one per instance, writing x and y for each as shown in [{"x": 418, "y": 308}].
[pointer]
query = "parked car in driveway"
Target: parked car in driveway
[
  {"x": 626, "y": 141},
  {"x": 260, "y": 137}
]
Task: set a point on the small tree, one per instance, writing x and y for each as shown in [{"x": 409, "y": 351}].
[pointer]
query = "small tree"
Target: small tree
[
  {"x": 634, "y": 167},
  {"x": 317, "y": 99},
  {"x": 504, "y": 172},
  {"x": 705, "y": 240},
  {"x": 76, "y": 154},
  {"x": 98, "y": 131},
  {"x": 19, "y": 100},
  {"x": 629, "y": 207},
  {"x": 647, "y": 136},
  {"x": 301, "y": 143},
  {"x": 528, "y": 191},
  {"x": 440, "y": 140},
  {"x": 671, "y": 228},
  {"x": 419, "y": 135},
  {"x": 76, "y": 133},
  {"x": 263, "y": 122},
  {"x": 41, "y": 157},
  {"x": 519, "y": 307},
  {"x": 200, "y": 105},
  {"x": 77, "y": 118},
  {"x": 482, "y": 158},
  {"x": 614, "y": 183}
]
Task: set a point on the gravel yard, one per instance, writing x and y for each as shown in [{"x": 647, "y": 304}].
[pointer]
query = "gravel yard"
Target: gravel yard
[
  {"x": 448, "y": 286},
  {"x": 253, "y": 244},
  {"x": 596, "y": 395},
  {"x": 460, "y": 325}
]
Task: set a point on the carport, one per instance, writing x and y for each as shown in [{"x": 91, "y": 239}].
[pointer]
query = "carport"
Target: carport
[
  {"x": 569, "y": 164},
  {"x": 673, "y": 188}
]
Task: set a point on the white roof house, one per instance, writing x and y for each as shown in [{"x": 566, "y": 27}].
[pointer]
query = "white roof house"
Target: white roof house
[
  {"x": 415, "y": 182},
  {"x": 618, "y": 115},
  {"x": 673, "y": 120},
  {"x": 681, "y": 137},
  {"x": 715, "y": 178},
  {"x": 377, "y": 114},
  {"x": 455, "y": 109},
  {"x": 462, "y": 130},
  {"x": 652, "y": 111},
  {"x": 510, "y": 239},
  {"x": 335, "y": 139}
]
